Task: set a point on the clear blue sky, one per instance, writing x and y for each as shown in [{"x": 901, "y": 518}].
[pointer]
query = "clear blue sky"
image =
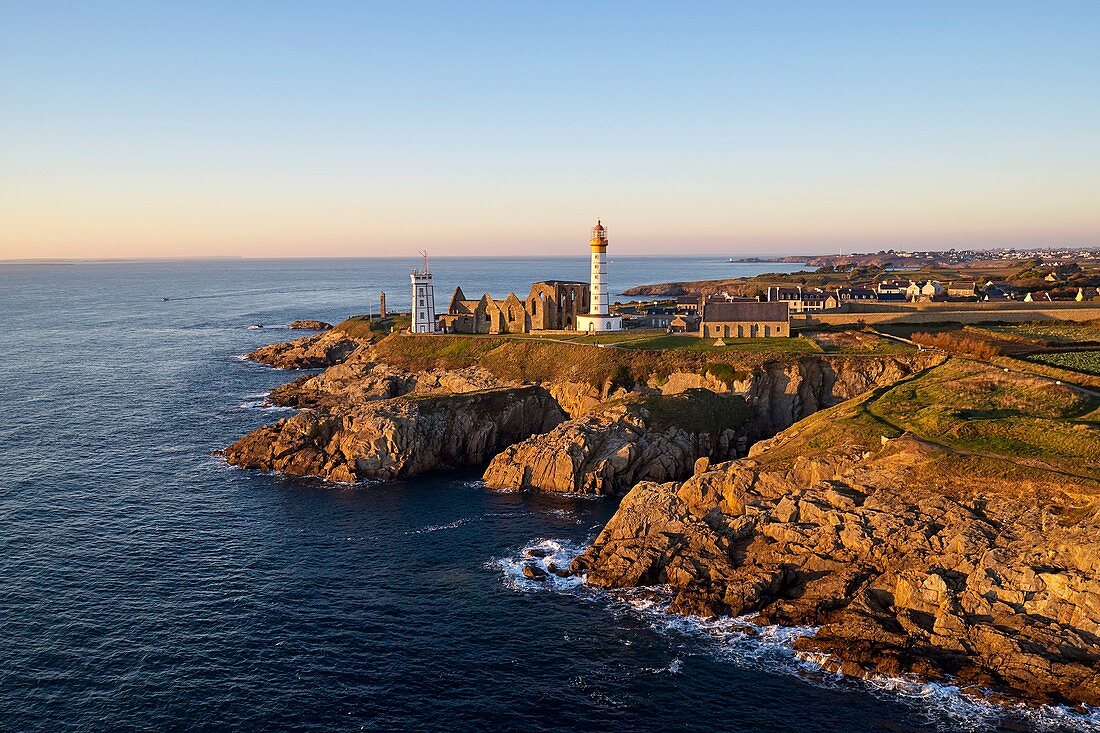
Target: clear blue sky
[{"x": 199, "y": 128}]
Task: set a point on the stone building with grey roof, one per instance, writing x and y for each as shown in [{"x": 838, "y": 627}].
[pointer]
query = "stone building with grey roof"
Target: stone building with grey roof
[{"x": 722, "y": 319}]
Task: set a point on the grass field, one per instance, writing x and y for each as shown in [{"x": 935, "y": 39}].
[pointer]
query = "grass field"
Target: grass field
[
  {"x": 537, "y": 360},
  {"x": 755, "y": 345},
  {"x": 1058, "y": 332},
  {"x": 974, "y": 407},
  {"x": 1012, "y": 339},
  {"x": 855, "y": 342}
]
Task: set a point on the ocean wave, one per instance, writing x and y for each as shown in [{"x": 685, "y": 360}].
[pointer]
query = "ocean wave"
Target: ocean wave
[{"x": 770, "y": 648}]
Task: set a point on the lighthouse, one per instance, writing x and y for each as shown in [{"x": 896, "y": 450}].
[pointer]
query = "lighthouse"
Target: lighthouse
[
  {"x": 423, "y": 302},
  {"x": 599, "y": 318}
]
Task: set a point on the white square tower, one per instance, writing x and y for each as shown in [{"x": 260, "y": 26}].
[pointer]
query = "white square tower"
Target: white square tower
[{"x": 423, "y": 299}]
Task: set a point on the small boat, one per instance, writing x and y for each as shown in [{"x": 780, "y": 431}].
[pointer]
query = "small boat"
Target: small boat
[
  {"x": 165, "y": 298},
  {"x": 255, "y": 325}
]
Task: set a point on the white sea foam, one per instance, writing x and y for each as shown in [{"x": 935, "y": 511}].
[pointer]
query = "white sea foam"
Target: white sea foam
[
  {"x": 546, "y": 555},
  {"x": 259, "y": 401},
  {"x": 741, "y": 642}
]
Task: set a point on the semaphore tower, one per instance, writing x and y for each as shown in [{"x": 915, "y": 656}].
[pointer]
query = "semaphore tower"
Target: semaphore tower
[
  {"x": 423, "y": 302},
  {"x": 599, "y": 317}
]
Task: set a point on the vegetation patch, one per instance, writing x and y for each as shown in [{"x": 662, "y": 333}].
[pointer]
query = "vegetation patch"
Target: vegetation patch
[
  {"x": 858, "y": 342},
  {"x": 724, "y": 373},
  {"x": 697, "y": 411},
  {"x": 368, "y": 327},
  {"x": 959, "y": 345},
  {"x": 1086, "y": 362},
  {"x": 745, "y": 345}
]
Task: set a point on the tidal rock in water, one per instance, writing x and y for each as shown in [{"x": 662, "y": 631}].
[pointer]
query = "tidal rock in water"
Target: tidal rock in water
[
  {"x": 534, "y": 572},
  {"x": 310, "y": 325}
]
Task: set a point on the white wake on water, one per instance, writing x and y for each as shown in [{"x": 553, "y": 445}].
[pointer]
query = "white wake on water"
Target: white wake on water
[
  {"x": 769, "y": 648},
  {"x": 437, "y": 527}
]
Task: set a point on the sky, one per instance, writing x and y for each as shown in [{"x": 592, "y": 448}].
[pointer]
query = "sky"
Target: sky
[{"x": 272, "y": 129}]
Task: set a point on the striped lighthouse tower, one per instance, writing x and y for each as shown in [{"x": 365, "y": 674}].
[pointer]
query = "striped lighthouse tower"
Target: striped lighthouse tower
[{"x": 599, "y": 317}]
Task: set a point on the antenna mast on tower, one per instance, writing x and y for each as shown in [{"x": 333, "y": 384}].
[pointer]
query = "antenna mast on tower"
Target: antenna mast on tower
[{"x": 424, "y": 254}]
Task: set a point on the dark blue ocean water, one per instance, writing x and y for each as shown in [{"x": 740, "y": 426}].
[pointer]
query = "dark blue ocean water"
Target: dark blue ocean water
[{"x": 144, "y": 585}]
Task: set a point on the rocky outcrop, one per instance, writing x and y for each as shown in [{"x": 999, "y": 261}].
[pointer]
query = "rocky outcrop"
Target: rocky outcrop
[
  {"x": 783, "y": 392},
  {"x": 609, "y": 451},
  {"x": 911, "y": 558},
  {"x": 392, "y": 438},
  {"x": 359, "y": 379},
  {"x": 309, "y": 352},
  {"x": 310, "y": 325}
]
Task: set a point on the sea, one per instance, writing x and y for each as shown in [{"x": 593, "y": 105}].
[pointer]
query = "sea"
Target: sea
[{"x": 147, "y": 586}]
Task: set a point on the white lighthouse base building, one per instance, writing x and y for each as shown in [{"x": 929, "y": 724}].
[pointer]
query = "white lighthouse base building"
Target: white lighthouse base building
[{"x": 598, "y": 324}]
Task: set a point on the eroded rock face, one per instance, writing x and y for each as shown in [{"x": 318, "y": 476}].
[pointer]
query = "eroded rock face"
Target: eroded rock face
[
  {"x": 386, "y": 439},
  {"x": 309, "y": 352},
  {"x": 607, "y": 452},
  {"x": 784, "y": 392},
  {"x": 906, "y": 561}
]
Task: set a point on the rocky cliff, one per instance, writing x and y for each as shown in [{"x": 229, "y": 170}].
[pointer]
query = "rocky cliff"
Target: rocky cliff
[
  {"x": 653, "y": 438},
  {"x": 404, "y": 436},
  {"x": 631, "y": 416},
  {"x": 659, "y": 431},
  {"x": 911, "y": 556}
]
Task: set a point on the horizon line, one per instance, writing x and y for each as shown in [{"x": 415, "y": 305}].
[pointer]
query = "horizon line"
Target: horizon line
[{"x": 763, "y": 258}]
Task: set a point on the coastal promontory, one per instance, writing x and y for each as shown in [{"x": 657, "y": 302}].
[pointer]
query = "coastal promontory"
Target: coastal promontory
[{"x": 925, "y": 514}]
